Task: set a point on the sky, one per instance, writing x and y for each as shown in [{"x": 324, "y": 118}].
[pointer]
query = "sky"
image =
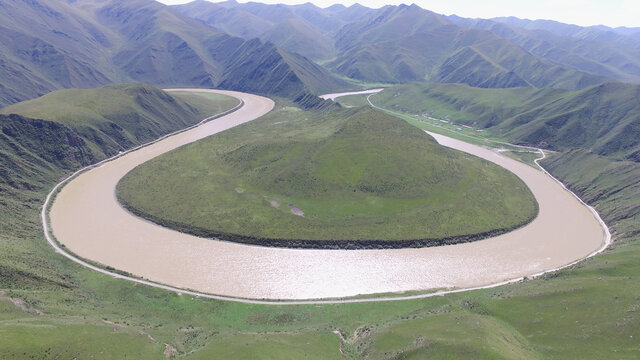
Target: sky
[{"x": 580, "y": 12}]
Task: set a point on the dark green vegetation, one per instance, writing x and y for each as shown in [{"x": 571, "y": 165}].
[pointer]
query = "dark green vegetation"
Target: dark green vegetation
[
  {"x": 604, "y": 119},
  {"x": 51, "y": 307},
  {"x": 51, "y": 44},
  {"x": 361, "y": 177}
]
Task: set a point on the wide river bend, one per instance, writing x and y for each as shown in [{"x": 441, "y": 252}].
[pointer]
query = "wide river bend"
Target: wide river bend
[{"x": 89, "y": 221}]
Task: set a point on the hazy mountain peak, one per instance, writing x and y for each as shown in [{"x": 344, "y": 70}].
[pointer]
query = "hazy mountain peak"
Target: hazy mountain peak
[{"x": 336, "y": 7}]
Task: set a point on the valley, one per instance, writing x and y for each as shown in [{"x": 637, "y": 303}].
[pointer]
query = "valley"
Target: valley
[
  {"x": 486, "y": 310},
  {"x": 556, "y": 278},
  {"x": 158, "y": 253}
]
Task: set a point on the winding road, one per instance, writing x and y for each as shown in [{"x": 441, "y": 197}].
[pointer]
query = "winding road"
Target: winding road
[{"x": 86, "y": 217}]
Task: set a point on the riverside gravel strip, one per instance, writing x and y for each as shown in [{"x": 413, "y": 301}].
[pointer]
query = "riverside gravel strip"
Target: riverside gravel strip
[{"x": 87, "y": 219}]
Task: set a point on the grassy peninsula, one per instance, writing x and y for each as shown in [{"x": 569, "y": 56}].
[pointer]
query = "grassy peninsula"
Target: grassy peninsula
[{"x": 354, "y": 178}]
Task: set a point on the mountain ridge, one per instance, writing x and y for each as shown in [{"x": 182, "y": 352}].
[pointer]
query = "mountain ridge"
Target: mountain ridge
[
  {"x": 96, "y": 42},
  {"x": 384, "y": 45}
]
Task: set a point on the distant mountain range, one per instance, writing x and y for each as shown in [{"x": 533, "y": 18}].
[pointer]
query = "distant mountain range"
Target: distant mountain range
[
  {"x": 51, "y": 44},
  {"x": 294, "y": 51},
  {"x": 396, "y": 44}
]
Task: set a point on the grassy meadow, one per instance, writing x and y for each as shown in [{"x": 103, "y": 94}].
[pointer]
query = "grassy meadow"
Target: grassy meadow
[
  {"x": 603, "y": 119},
  {"x": 116, "y": 117},
  {"x": 53, "y": 308},
  {"x": 361, "y": 177}
]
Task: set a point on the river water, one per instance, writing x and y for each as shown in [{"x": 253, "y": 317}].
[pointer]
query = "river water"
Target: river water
[{"x": 88, "y": 220}]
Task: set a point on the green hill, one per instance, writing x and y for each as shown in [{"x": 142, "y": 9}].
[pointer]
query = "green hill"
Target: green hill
[
  {"x": 603, "y": 119},
  {"x": 115, "y": 117},
  {"x": 75, "y": 128},
  {"x": 353, "y": 178}
]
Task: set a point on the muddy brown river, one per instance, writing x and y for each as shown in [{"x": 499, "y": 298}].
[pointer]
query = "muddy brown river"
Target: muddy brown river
[{"x": 88, "y": 220}]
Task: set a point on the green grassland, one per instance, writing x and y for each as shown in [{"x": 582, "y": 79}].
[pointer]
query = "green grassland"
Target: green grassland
[
  {"x": 362, "y": 178},
  {"x": 116, "y": 117},
  {"x": 51, "y": 307},
  {"x": 35, "y": 153},
  {"x": 604, "y": 118},
  {"x": 206, "y": 103},
  {"x": 352, "y": 101}
]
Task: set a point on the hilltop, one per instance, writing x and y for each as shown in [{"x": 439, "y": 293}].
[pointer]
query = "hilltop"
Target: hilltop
[{"x": 334, "y": 179}]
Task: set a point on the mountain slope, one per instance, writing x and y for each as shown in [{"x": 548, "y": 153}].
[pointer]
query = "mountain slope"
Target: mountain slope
[
  {"x": 112, "y": 118},
  {"x": 96, "y": 42},
  {"x": 45, "y": 45},
  {"x": 298, "y": 36},
  {"x": 396, "y": 44},
  {"x": 301, "y": 29},
  {"x": 591, "y": 50},
  {"x": 229, "y": 19},
  {"x": 407, "y": 43},
  {"x": 388, "y": 23},
  {"x": 603, "y": 119}
]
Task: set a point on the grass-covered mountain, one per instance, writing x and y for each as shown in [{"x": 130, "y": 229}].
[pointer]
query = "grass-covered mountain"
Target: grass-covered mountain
[
  {"x": 396, "y": 44},
  {"x": 356, "y": 178},
  {"x": 303, "y": 29},
  {"x": 112, "y": 118},
  {"x": 53, "y": 44},
  {"x": 599, "y": 32},
  {"x": 593, "y": 50},
  {"x": 604, "y": 119},
  {"x": 299, "y": 36},
  {"x": 43, "y": 139},
  {"x": 46, "y": 45},
  {"x": 405, "y": 43}
]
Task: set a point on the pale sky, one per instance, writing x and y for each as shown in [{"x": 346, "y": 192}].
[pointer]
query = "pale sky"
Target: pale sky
[{"x": 581, "y": 12}]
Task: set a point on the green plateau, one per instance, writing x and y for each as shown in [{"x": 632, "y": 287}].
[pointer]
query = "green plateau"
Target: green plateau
[{"x": 354, "y": 178}]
